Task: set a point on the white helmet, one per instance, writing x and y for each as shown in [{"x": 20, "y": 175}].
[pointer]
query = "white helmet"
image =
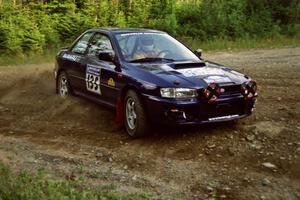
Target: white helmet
[{"x": 147, "y": 43}]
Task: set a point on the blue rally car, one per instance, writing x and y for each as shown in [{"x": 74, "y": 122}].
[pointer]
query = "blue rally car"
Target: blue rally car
[{"x": 150, "y": 77}]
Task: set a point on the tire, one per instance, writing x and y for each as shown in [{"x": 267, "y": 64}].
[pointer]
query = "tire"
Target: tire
[
  {"x": 136, "y": 122},
  {"x": 63, "y": 87}
]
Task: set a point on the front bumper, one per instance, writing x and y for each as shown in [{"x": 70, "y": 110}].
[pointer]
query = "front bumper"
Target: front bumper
[{"x": 197, "y": 111}]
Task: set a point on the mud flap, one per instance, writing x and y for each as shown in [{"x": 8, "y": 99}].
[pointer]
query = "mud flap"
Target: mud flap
[{"x": 119, "y": 112}]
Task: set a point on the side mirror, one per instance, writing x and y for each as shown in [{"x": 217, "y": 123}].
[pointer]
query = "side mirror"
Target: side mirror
[
  {"x": 106, "y": 56},
  {"x": 65, "y": 48},
  {"x": 198, "y": 53}
]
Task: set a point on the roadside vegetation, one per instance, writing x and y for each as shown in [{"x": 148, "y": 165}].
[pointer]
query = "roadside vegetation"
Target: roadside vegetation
[
  {"x": 33, "y": 27},
  {"x": 27, "y": 186},
  {"x": 48, "y": 55}
]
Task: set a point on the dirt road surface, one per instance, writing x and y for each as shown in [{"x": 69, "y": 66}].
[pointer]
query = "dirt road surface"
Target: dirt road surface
[{"x": 254, "y": 158}]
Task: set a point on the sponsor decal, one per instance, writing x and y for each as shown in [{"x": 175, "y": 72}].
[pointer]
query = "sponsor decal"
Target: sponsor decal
[
  {"x": 223, "y": 117},
  {"x": 209, "y": 74},
  {"x": 129, "y": 34},
  {"x": 92, "y": 79},
  {"x": 71, "y": 57},
  {"x": 111, "y": 82},
  {"x": 217, "y": 79},
  {"x": 203, "y": 71}
]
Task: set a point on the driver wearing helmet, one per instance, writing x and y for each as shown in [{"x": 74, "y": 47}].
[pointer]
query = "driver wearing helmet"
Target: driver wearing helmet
[{"x": 146, "y": 49}]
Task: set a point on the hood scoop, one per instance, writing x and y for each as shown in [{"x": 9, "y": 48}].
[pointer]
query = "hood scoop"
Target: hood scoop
[{"x": 188, "y": 65}]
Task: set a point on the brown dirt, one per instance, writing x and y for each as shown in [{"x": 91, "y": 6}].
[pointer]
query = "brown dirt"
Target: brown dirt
[{"x": 74, "y": 136}]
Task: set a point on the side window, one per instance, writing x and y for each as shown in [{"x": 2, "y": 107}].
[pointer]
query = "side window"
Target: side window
[
  {"x": 82, "y": 43},
  {"x": 98, "y": 44}
]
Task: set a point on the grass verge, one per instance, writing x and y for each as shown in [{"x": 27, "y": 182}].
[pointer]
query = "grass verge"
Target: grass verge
[
  {"x": 47, "y": 56},
  {"x": 26, "y": 186},
  {"x": 242, "y": 43}
]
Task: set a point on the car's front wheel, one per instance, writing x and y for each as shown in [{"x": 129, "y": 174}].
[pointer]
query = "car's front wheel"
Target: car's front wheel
[
  {"x": 135, "y": 117},
  {"x": 63, "y": 85}
]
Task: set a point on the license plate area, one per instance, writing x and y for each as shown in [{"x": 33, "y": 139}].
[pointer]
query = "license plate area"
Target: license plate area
[{"x": 217, "y": 110}]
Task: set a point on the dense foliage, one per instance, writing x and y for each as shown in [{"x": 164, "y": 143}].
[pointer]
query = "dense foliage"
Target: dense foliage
[{"x": 33, "y": 25}]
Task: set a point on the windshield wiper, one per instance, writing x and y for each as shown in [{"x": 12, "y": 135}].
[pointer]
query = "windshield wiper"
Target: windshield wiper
[{"x": 149, "y": 59}]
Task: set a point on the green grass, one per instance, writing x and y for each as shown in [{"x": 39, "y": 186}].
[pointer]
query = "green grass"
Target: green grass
[
  {"x": 211, "y": 45},
  {"x": 243, "y": 43},
  {"x": 27, "y": 186}
]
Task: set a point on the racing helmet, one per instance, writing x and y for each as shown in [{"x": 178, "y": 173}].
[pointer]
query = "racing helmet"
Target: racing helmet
[{"x": 147, "y": 43}]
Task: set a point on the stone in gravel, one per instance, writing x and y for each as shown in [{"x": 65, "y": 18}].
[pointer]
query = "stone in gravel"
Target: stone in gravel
[
  {"x": 262, "y": 197},
  {"x": 256, "y": 146},
  {"x": 250, "y": 138},
  {"x": 223, "y": 196},
  {"x": 229, "y": 136},
  {"x": 211, "y": 146},
  {"x": 279, "y": 98},
  {"x": 99, "y": 155},
  {"x": 134, "y": 177},
  {"x": 209, "y": 189},
  {"x": 125, "y": 167},
  {"x": 246, "y": 179},
  {"x": 282, "y": 108},
  {"x": 269, "y": 165},
  {"x": 226, "y": 188},
  {"x": 110, "y": 159},
  {"x": 266, "y": 182}
]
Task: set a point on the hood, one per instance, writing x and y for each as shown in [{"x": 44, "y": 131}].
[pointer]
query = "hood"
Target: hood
[{"x": 187, "y": 74}]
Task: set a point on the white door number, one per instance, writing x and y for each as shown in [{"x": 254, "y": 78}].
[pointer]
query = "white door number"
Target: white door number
[{"x": 92, "y": 79}]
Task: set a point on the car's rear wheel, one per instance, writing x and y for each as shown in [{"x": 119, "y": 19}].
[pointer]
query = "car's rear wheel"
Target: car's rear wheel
[
  {"x": 135, "y": 117},
  {"x": 63, "y": 85}
]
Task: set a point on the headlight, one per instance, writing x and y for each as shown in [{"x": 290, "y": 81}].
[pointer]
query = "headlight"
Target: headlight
[
  {"x": 178, "y": 92},
  {"x": 249, "y": 89}
]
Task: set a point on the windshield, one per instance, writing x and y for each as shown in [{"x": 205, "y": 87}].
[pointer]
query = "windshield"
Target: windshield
[{"x": 152, "y": 47}]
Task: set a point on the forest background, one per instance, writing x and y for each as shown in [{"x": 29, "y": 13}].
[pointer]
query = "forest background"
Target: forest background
[{"x": 35, "y": 26}]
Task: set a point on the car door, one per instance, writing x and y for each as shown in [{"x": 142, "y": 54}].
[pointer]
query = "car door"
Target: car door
[
  {"x": 101, "y": 73},
  {"x": 75, "y": 62}
]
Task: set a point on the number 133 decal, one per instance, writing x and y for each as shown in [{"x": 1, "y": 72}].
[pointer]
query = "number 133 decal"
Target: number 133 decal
[{"x": 92, "y": 79}]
